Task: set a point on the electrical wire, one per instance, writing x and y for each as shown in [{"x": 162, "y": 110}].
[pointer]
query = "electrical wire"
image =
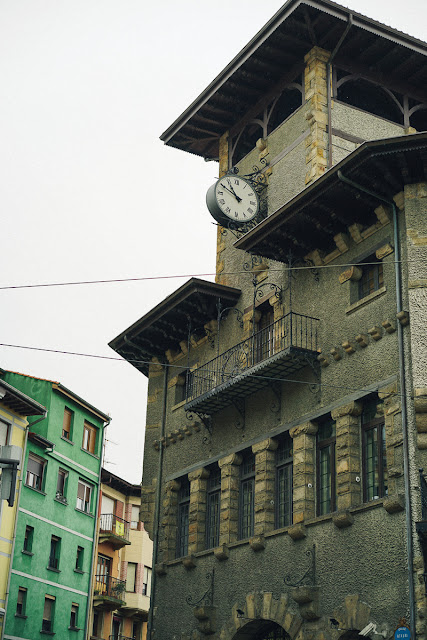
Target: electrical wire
[
  {"x": 136, "y": 361},
  {"x": 199, "y": 275}
]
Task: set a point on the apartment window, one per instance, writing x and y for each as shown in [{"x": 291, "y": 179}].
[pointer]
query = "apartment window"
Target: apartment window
[
  {"x": 247, "y": 492},
  {"x": 146, "y": 582},
  {"x": 373, "y": 452},
  {"x": 74, "y": 615},
  {"x": 97, "y": 624},
  {"x": 21, "y": 602},
  {"x": 181, "y": 387},
  {"x": 213, "y": 503},
  {"x": 372, "y": 276},
  {"x": 84, "y": 496},
  {"x": 48, "y": 613},
  {"x": 28, "y": 539},
  {"x": 35, "y": 471},
  {"x": 89, "y": 437},
  {"x": 79, "y": 559},
  {"x": 55, "y": 547},
  {"x": 61, "y": 485},
  {"x": 134, "y": 517},
  {"x": 183, "y": 516},
  {"x": 4, "y": 433},
  {"x": 326, "y": 468},
  {"x": 131, "y": 577},
  {"x": 67, "y": 423},
  {"x": 284, "y": 482}
]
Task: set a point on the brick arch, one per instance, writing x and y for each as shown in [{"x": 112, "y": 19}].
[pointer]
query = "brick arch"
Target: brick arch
[
  {"x": 263, "y": 606},
  {"x": 353, "y": 613}
]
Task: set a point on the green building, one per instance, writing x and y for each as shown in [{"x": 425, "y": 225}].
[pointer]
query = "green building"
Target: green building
[{"x": 56, "y": 524}]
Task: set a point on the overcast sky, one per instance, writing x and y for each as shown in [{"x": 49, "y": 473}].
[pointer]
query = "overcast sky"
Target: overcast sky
[{"x": 88, "y": 191}]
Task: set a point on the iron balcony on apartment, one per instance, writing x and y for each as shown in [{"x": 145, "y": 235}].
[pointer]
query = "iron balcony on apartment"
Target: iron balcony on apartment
[
  {"x": 114, "y": 530},
  {"x": 109, "y": 592},
  {"x": 270, "y": 355}
]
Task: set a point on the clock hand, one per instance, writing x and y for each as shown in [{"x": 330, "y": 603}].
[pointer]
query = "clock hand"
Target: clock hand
[{"x": 233, "y": 193}]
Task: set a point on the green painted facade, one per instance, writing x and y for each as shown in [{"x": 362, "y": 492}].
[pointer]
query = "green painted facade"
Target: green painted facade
[{"x": 51, "y": 513}]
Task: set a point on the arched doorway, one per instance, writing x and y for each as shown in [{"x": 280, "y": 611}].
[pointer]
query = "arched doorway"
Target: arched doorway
[{"x": 261, "y": 630}]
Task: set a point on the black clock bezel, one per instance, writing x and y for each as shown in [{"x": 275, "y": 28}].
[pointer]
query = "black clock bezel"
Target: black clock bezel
[{"x": 216, "y": 211}]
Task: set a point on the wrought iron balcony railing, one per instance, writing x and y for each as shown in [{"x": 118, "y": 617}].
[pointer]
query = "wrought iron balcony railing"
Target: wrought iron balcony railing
[
  {"x": 110, "y": 523},
  {"x": 118, "y": 636},
  {"x": 110, "y": 587},
  {"x": 283, "y": 347}
]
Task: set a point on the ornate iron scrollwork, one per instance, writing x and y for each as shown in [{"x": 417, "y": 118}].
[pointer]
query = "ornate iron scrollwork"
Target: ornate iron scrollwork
[
  {"x": 207, "y": 598},
  {"x": 205, "y": 419},
  {"x": 269, "y": 286},
  {"x": 309, "y": 576},
  {"x": 313, "y": 270}
]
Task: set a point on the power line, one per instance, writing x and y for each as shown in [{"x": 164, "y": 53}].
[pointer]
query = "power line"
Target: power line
[
  {"x": 180, "y": 367},
  {"x": 198, "y": 275}
]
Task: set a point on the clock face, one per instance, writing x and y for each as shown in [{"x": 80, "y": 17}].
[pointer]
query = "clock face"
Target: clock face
[{"x": 232, "y": 198}]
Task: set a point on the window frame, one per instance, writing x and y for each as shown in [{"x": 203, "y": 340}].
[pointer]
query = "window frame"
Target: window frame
[
  {"x": 86, "y": 485},
  {"x": 284, "y": 465},
  {"x": 67, "y": 424},
  {"x": 47, "y": 622},
  {"x": 54, "y": 553},
  {"x": 146, "y": 581},
  {"x": 75, "y": 611},
  {"x": 27, "y": 545},
  {"x": 134, "y": 523},
  {"x": 89, "y": 442},
  {"x": 61, "y": 495},
  {"x": 213, "y": 507},
  {"x": 370, "y": 272},
  {"x": 21, "y": 603},
  {"x": 321, "y": 445},
  {"x": 380, "y": 450},
  {"x": 79, "y": 559},
  {"x": 7, "y": 425},
  {"x": 183, "y": 517},
  {"x": 29, "y": 475},
  {"x": 135, "y": 568},
  {"x": 247, "y": 482}
]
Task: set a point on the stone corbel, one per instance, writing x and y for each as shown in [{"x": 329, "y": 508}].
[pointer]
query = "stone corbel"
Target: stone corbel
[
  {"x": 353, "y": 273},
  {"x": 206, "y": 617}
]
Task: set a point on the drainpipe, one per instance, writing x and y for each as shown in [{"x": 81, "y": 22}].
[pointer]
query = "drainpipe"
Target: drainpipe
[
  {"x": 15, "y": 526},
  {"x": 89, "y": 607},
  {"x": 329, "y": 88},
  {"x": 157, "y": 506},
  {"x": 408, "y": 509}
]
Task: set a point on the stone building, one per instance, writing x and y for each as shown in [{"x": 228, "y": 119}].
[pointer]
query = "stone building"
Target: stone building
[{"x": 287, "y": 401}]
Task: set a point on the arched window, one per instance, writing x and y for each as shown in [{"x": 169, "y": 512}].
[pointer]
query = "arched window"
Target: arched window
[{"x": 368, "y": 96}]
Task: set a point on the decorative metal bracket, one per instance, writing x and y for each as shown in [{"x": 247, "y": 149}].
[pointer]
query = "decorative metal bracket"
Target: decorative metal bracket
[
  {"x": 238, "y": 313},
  {"x": 309, "y": 577},
  {"x": 259, "y": 291},
  {"x": 276, "y": 389},
  {"x": 207, "y": 598},
  {"x": 203, "y": 417},
  {"x": 239, "y": 404},
  {"x": 313, "y": 270}
]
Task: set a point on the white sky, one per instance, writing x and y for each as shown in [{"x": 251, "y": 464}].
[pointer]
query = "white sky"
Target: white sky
[{"x": 89, "y": 192}]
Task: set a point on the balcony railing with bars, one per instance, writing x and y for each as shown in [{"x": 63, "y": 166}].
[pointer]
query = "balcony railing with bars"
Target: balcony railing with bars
[
  {"x": 112, "y": 524},
  {"x": 110, "y": 587},
  {"x": 281, "y": 348},
  {"x": 120, "y": 637}
]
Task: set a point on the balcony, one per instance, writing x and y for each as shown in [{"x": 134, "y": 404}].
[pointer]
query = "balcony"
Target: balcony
[
  {"x": 114, "y": 530},
  {"x": 275, "y": 352},
  {"x": 118, "y": 636},
  {"x": 109, "y": 592}
]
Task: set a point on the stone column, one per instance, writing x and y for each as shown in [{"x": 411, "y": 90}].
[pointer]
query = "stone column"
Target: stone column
[
  {"x": 197, "y": 518},
  {"x": 348, "y": 454},
  {"x": 169, "y": 522},
  {"x": 304, "y": 455},
  {"x": 265, "y": 476},
  {"x": 230, "y": 480},
  {"x": 317, "y": 116}
]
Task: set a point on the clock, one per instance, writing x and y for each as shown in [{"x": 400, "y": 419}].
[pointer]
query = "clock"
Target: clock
[{"x": 232, "y": 198}]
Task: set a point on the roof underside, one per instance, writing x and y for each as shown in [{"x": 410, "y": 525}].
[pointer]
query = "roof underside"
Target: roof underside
[
  {"x": 379, "y": 52},
  {"x": 20, "y": 403},
  {"x": 186, "y": 310},
  {"x": 329, "y": 206}
]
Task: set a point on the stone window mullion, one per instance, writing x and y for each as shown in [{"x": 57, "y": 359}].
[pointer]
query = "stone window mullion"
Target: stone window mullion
[
  {"x": 348, "y": 468},
  {"x": 265, "y": 472},
  {"x": 304, "y": 455},
  {"x": 230, "y": 480},
  {"x": 197, "y": 516},
  {"x": 169, "y": 522}
]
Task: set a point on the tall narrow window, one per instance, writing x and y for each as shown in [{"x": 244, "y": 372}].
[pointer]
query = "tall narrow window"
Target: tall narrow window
[
  {"x": 326, "y": 491},
  {"x": 4, "y": 433},
  {"x": 74, "y": 615},
  {"x": 131, "y": 577},
  {"x": 284, "y": 482},
  {"x": 146, "y": 582},
  {"x": 48, "y": 613},
  {"x": 213, "y": 504},
  {"x": 61, "y": 485},
  {"x": 28, "y": 539},
  {"x": 374, "y": 454},
  {"x": 134, "y": 517},
  {"x": 35, "y": 471},
  {"x": 55, "y": 545},
  {"x": 79, "y": 559},
  {"x": 372, "y": 276},
  {"x": 183, "y": 518},
  {"x": 247, "y": 496},
  {"x": 84, "y": 496},
  {"x": 89, "y": 437},
  {"x": 21, "y": 601},
  {"x": 67, "y": 423}
]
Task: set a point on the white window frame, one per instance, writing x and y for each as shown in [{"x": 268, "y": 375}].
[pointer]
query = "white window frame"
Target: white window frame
[{"x": 84, "y": 504}]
